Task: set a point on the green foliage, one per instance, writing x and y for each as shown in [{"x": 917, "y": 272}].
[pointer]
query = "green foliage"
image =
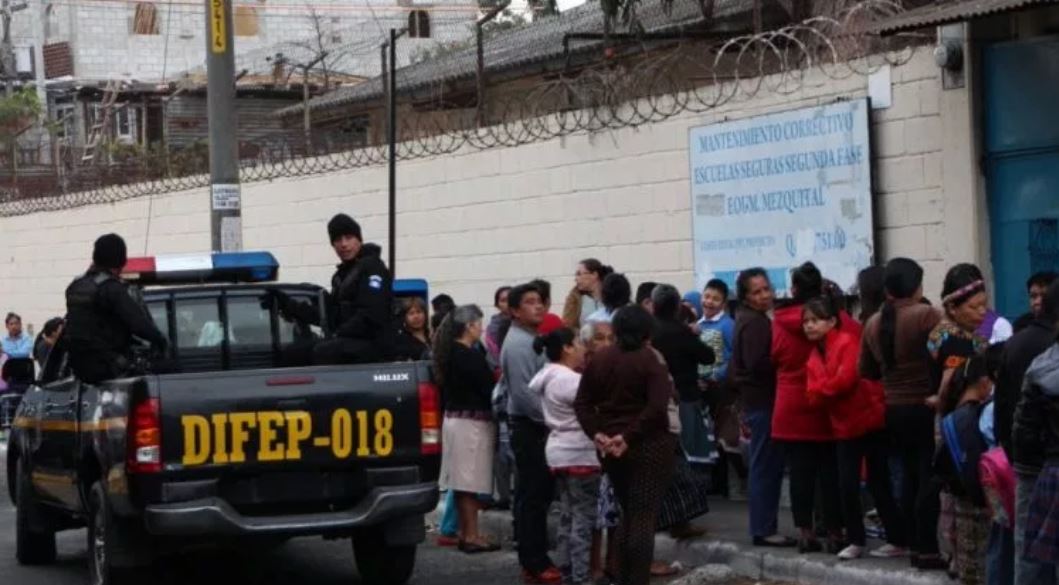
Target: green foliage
[{"x": 18, "y": 110}]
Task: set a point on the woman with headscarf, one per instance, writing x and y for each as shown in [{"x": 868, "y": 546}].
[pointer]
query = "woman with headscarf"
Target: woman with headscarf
[{"x": 954, "y": 341}]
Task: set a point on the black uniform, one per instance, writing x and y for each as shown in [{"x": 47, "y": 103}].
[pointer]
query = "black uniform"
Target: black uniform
[
  {"x": 359, "y": 310},
  {"x": 101, "y": 319}
]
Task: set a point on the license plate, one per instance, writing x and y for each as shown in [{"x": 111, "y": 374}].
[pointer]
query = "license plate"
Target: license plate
[{"x": 226, "y": 438}]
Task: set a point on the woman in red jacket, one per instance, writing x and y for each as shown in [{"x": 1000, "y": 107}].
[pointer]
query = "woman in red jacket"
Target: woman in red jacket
[
  {"x": 804, "y": 428},
  {"x": 857, "y": 409}
]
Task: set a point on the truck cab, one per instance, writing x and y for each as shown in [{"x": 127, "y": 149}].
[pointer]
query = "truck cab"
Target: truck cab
[{"x": 220, "y": 442}]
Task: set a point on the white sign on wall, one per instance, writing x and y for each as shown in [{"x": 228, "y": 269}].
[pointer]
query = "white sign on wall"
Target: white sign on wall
[{"x": 778, "y": 190}]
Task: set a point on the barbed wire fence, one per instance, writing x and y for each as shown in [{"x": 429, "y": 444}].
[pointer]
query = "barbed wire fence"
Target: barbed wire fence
[{"x": 657, "y": 84}]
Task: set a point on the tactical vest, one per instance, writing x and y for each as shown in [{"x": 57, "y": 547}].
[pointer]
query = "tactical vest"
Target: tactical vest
[{"x": 89, "y": 325}]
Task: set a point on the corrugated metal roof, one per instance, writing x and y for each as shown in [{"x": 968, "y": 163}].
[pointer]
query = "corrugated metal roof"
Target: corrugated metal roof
[
  {"x": 960, "y": 10},
  {"x": 531, "y": 44}
]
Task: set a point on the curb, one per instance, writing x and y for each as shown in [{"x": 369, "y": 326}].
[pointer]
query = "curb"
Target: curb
[{"x": 751, "y": 563}]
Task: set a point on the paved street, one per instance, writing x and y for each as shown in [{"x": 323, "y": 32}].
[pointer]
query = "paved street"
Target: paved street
[{"x": 309, "y": 561}]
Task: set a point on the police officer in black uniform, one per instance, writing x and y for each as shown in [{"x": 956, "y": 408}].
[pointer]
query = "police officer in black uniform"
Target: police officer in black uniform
[
  {"x": 102, "y": 316},
  {"x": 360, "y": 305}
]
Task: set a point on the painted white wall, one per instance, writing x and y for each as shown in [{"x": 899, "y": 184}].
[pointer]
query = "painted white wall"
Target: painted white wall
[{"x": 472, "y": 221}]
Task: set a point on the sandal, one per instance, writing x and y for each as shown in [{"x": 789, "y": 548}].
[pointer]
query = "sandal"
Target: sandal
[
  {"x": 663, "y": 569},
  {"x": 473, "y": 548}
]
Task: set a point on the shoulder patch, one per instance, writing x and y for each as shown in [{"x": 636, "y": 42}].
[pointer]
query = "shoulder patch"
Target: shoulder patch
[{"x": 375, "y": 281}]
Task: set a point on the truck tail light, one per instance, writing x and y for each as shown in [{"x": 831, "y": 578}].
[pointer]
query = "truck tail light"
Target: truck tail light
[
  {"x": 144, "y": 438},
  {"x": 429, "y": 419}
]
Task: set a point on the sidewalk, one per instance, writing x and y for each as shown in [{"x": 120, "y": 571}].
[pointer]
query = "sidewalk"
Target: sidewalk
[{"x": 727, "y": 543}]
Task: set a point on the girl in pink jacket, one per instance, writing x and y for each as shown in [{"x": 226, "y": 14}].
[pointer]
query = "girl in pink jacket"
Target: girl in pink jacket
[{"x": 570, "y": 453}]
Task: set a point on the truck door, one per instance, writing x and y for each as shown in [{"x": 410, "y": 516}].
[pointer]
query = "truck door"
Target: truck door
[{"x": 54, "y": 458}]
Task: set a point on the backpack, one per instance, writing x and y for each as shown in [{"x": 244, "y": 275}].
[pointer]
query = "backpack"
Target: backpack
[
  {"x": 998, "y": 484},
  {"x": 962, "y": 447}
]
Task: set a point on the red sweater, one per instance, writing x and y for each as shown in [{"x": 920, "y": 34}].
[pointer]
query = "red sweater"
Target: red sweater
[
  {"x": 795, "y": 418},
  {"x": 856, "y": 406}
]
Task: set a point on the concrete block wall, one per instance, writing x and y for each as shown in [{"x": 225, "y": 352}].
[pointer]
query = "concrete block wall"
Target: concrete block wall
[
  {"x": 471, "y": 221},
  {"x": 104, "y": 45}
]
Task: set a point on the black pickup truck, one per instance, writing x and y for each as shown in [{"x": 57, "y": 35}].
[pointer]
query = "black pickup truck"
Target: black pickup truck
[{"x": 227, "y": 447}]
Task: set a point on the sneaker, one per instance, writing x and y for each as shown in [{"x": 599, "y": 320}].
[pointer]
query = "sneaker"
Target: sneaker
[
  {"x": 851, "y": 552},
  {"x": 889, "y": 551}
]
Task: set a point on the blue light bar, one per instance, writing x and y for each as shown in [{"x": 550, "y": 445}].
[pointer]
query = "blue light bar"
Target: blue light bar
[
  {"x": 411, "y": 287},
  {"x": 247, "y": 266}
]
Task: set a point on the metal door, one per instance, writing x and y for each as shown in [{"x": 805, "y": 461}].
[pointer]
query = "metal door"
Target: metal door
[{"x": 1021, "y": 111}]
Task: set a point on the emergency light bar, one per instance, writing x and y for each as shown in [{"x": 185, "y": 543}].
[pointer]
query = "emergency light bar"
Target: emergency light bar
[{"x": 202, "y": 268}]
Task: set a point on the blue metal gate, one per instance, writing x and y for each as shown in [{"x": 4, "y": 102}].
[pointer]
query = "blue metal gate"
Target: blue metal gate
[{"x": 1021, "y": 110}]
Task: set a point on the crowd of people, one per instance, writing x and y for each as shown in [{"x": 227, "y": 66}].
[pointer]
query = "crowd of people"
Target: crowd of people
[
  {"x": 22, "y": 349},
  {"x": 630, "y": 411}
]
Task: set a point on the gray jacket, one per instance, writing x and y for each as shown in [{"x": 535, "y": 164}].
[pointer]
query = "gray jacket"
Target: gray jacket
[
  {"x": 518, "y": 364},
  {"x": 1035, "y": 436}
]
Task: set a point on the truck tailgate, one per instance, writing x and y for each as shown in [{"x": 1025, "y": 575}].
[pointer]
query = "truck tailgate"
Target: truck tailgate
[{"x": 295, "y": 435}]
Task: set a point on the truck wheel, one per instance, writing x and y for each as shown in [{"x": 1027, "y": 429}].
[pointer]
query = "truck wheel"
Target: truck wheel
[
  {"x": 33, "y": 546},
  {"x": 380, "y": 564},
  {"x": 101, "y": 538}
]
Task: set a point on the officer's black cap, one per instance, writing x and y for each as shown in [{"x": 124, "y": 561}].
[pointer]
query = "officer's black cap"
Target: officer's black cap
[
  {"x": 343, "y": 225},
  {"x": 110, "y": 252}
]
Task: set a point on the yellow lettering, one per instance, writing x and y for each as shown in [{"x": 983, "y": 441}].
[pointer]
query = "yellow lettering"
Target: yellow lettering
[
  {"x": 383, "y": 433},
  {"x": 363, "y": 449},
  {"x": 242, "y": 422},
  {"x": 269, "y": 450},
  {"x": 299, "y": 427},
  {"x": 220, "y": 439},
  {"x": 341, "y": 433},
  {"x": 196, "y": 439}
]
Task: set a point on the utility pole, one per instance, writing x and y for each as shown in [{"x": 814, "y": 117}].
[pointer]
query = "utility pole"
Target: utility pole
[
  {"x": 390, "y": 80},
  {"x": 226, "y": 224}
]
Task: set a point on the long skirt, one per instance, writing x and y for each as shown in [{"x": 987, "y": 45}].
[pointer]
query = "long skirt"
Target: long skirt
[
  {"x": 640, "y": 478},
  {"x": 686, "y": 496},
  {"x": 697, "y": 436},
  {"x": 467, "y": 450},
  {"x": 1042, "y": 521},
  {"x": 972, "y": 538}
]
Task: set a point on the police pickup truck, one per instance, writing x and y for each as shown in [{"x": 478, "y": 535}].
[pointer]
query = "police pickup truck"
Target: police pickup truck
[{"x": 223, "y": 445}]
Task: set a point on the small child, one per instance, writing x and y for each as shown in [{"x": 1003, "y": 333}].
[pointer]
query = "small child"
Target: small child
[
  {"x": 956, "y": 465},
  {"x": 857, "y": 409},
  {"x": 570, "y": 453}
]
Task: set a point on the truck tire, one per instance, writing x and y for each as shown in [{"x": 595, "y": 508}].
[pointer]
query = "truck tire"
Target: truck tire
[
  {"x": 33, "y": 546},
  {"x": 101, "y": 538},
  {"x": 380, "y": 564}
]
